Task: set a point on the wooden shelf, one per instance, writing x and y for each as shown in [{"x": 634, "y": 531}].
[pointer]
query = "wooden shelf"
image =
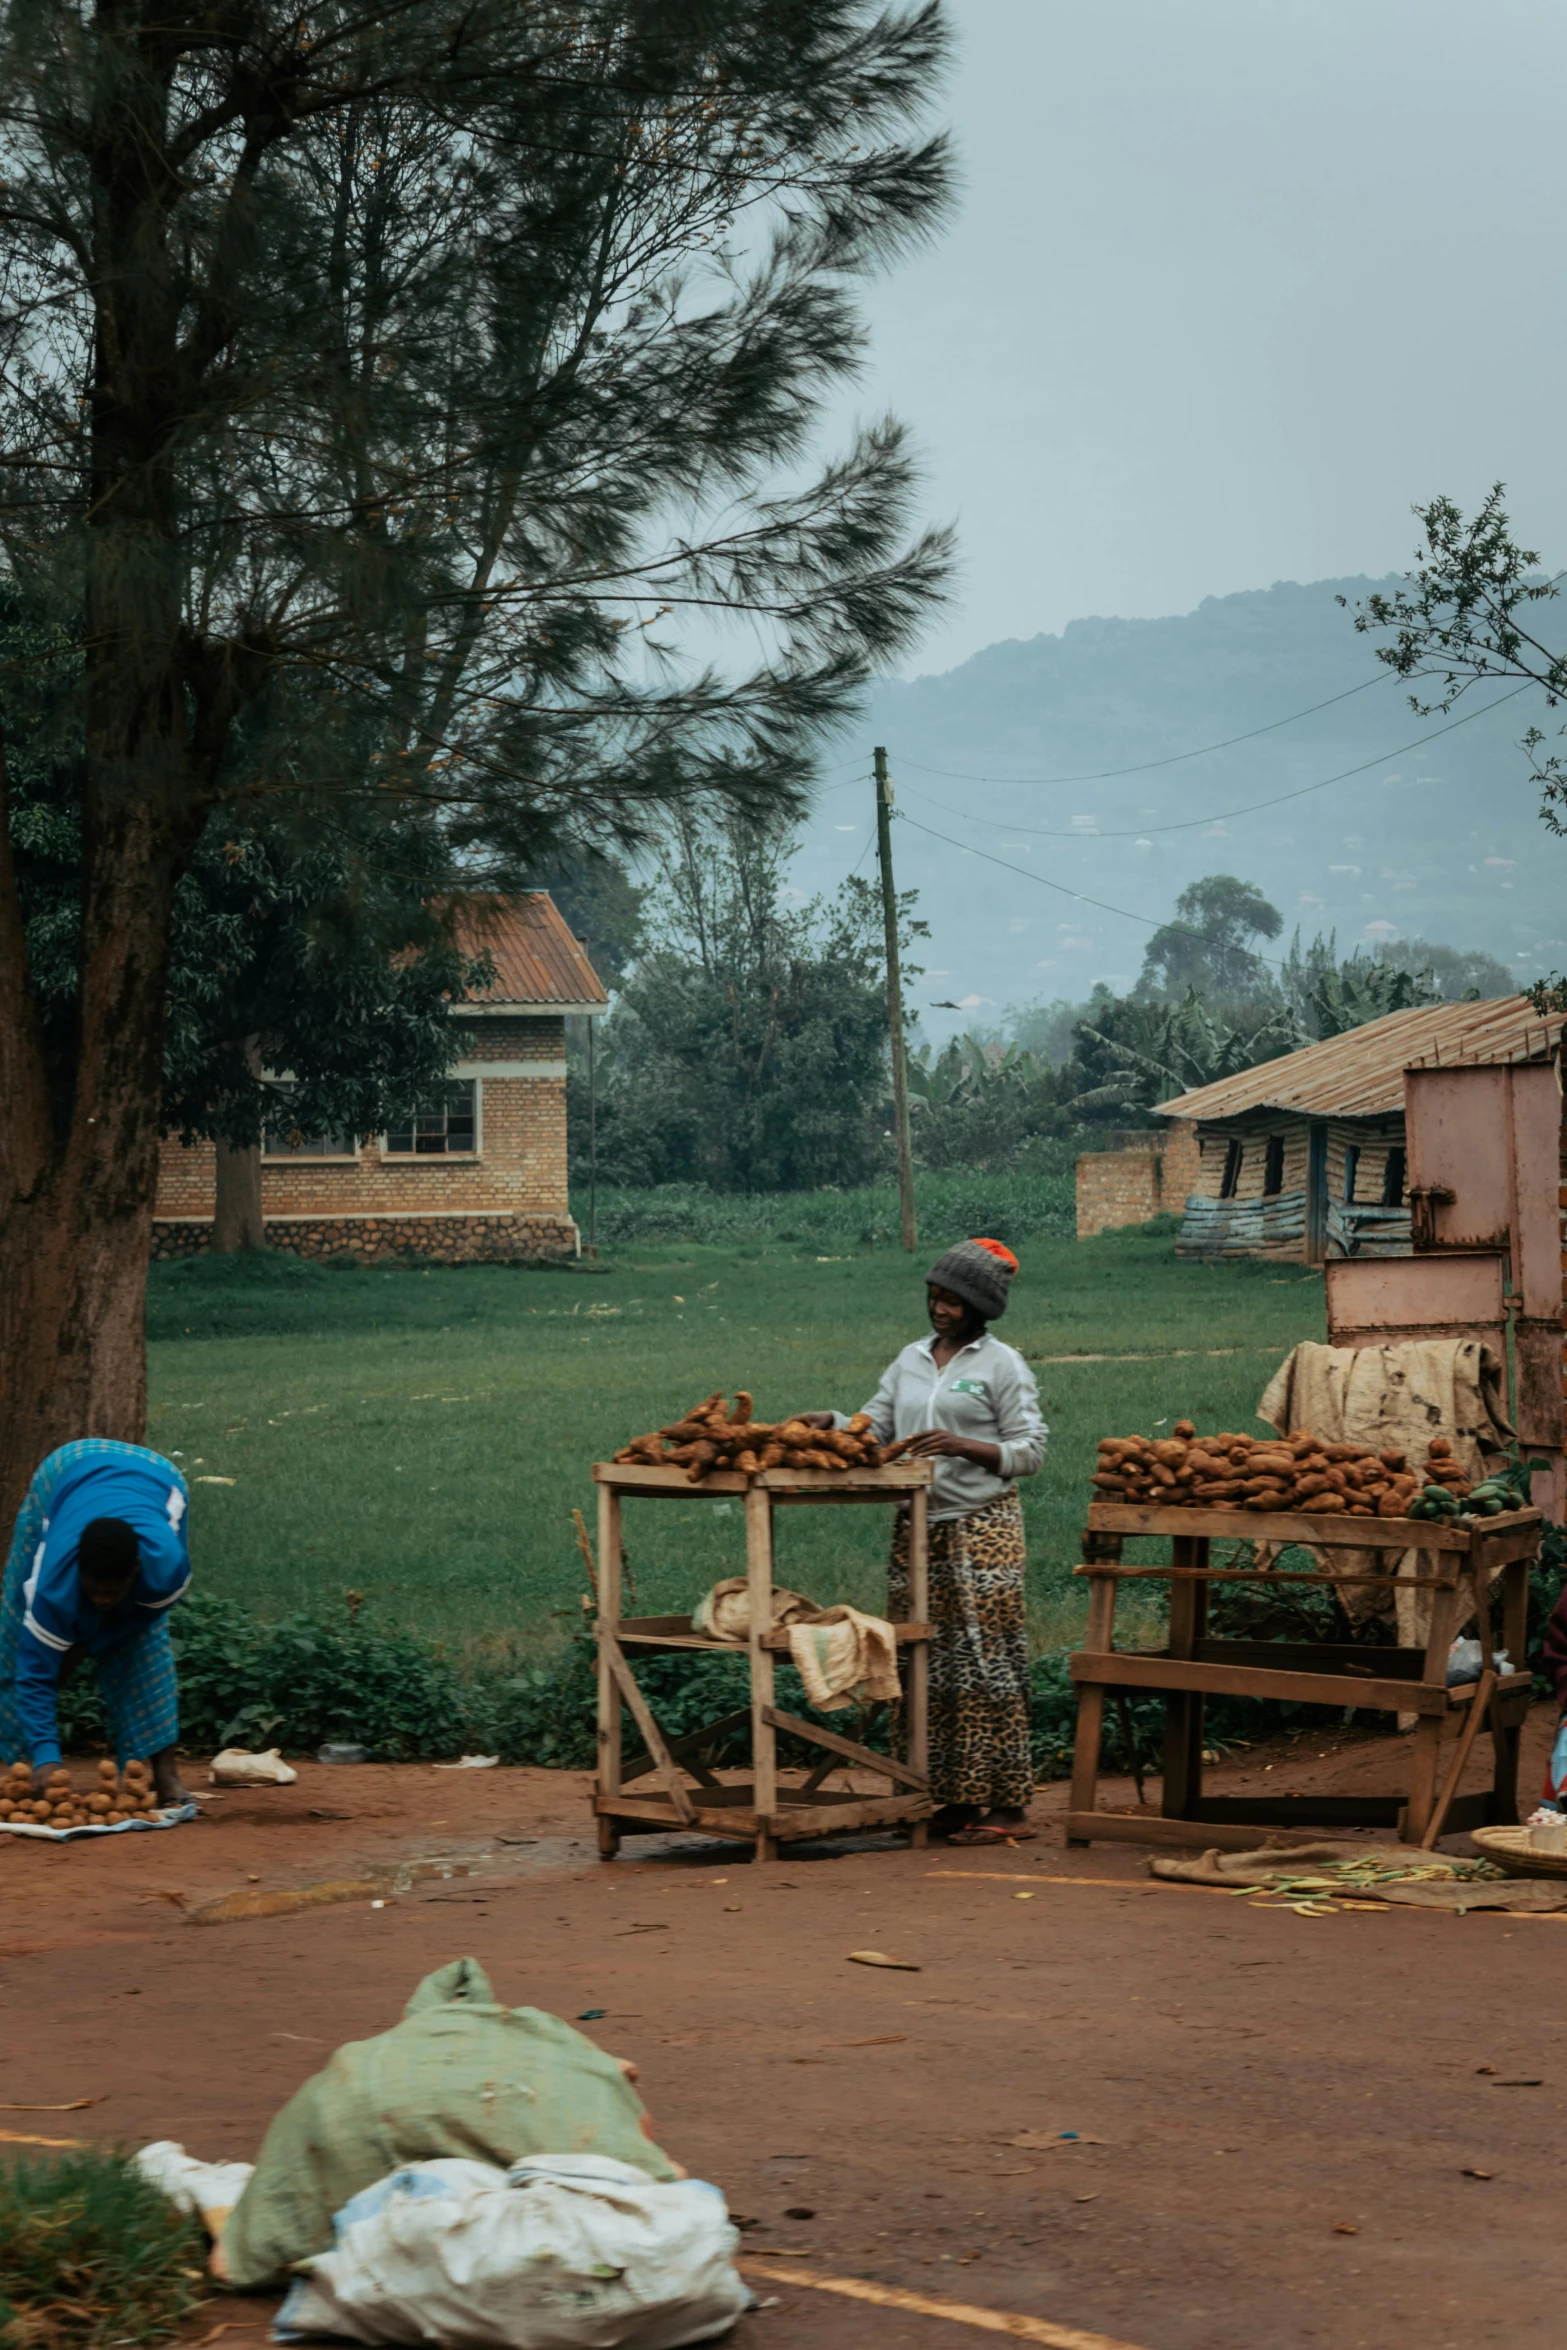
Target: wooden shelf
[
  {"x": 1393, "y": 1679},
  {"x": 772, "y": 1809}
]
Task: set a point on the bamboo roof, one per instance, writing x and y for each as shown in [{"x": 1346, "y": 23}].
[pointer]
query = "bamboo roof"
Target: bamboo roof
[{"x": 1361, "y": 1073}]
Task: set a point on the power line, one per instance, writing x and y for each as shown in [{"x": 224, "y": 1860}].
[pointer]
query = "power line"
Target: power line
[
  {"x": 1188, "y": 929},
  {"x": 1176, "y": 758},
  {"x": 1195, "y": 823}
]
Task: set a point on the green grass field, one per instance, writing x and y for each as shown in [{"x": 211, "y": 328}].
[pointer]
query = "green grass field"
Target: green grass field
[{"x": 421, "y": 1436}]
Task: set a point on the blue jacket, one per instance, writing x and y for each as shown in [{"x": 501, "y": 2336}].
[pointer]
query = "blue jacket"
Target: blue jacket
[{"x": 152, "y": 1501}]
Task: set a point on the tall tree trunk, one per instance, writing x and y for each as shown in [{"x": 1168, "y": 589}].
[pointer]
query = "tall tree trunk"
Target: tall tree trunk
[
  {"x": 236, "y": 1223},
  {"x": 76, "y": 1204}
]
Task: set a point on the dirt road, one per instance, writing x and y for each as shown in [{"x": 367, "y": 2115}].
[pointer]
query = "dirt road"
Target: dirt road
[{"x": 1273, "y": 2115}]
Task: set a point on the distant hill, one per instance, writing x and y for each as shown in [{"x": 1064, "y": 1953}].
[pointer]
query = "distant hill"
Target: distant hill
[{"x": 1441, "y": 840}]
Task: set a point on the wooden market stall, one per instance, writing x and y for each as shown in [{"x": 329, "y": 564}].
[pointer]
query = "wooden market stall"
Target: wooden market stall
[
  {"x": 773, "y": 1807},
  {"x": 1194, "y": 1666}
]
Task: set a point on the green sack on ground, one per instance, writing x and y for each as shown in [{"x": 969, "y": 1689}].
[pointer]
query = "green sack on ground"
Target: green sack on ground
[{"x": 460, "y": 2075}]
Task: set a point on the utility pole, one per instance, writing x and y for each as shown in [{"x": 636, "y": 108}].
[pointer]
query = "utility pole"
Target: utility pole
[
  {"x": 593, "y": 1142},
  {"x": 900, "y": 1081}
]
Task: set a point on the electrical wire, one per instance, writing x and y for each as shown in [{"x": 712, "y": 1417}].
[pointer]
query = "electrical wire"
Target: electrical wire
[
  {"x": 1252, "y": 808},
  {"x": 1148, "y": 922},
  {"x": 1176, "y": 758}
]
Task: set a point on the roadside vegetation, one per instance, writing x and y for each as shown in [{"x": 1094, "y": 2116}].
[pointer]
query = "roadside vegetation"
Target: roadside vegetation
[{"x": 91, "y": 2255}]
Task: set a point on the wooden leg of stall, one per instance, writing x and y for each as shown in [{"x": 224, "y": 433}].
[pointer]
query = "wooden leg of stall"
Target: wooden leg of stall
[
  {"x": 1183, "y": 1719},
  {"x": 1507, "y": 1737},
  {"x": 1425, "y": 1757},
  {"x": 1099, "y": 1639},
  {"x": 764, "y": 1739},
  {"x": 609, "y": 1702},
  {"x": 917, "y": 1699}
]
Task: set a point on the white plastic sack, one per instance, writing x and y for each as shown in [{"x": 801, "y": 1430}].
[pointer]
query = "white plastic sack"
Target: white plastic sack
[
  {"x": 561, "y": 2252},
  {"x": 236, "y": 1766},
  {"x": 210, "y": 2188}
]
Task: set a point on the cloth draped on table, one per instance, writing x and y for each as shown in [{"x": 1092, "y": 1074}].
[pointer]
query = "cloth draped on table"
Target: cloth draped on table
[
  {"x": 979, "y": 1720},
  {"x": 842, "y": 1655},
  {"x": 1393, "y": 1398},
  {"x": 93, "y": 1477}
]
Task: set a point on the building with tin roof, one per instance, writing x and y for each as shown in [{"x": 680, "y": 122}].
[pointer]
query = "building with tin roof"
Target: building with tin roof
[{"x": 1304, "y": 1157}]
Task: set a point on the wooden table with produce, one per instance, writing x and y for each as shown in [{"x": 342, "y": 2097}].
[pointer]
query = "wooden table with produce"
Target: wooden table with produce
[
  {"x": 1333, "y": 1497},
  {"x": 772, "y": 1466}
]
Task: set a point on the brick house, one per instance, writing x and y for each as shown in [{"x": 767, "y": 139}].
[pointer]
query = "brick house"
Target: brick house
[{"x": 480, "y": 1174}]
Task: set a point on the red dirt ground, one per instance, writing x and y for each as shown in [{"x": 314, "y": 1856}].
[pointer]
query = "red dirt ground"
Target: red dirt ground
[{"x": 1275, "y": 2113}]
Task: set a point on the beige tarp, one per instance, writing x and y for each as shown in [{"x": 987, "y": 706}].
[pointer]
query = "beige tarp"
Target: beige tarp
[{"x": 1393, "y": 1399}]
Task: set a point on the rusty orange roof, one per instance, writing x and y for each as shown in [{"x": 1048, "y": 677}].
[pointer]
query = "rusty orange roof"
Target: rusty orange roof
[
  {"x": 537, "y": 960},
  {"x": 1361, "y": 1074}
]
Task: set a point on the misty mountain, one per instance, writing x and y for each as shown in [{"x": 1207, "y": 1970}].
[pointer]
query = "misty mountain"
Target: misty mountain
[{"x": 1013, "y": 757}]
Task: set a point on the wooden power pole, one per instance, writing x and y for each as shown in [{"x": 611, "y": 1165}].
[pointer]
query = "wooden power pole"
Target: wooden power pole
[{"x": 900, "y": 1080}]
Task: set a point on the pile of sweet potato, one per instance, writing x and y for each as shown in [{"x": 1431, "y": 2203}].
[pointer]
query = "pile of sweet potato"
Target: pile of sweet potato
[
  {"x": 1299, "y": 1472},
  {"x": 63, "y": 1805},
  {"x": 710, "y": 1437}
]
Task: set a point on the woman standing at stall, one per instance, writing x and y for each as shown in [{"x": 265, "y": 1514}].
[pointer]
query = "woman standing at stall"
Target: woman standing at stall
[{"x": 966, "y": 1401}]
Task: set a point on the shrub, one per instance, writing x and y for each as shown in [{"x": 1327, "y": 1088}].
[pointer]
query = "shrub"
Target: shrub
[{"x": 92, "y": 2254}]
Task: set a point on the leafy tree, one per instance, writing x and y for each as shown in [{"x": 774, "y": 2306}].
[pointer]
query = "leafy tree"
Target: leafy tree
[
  {"x": 414, "y": 375},
  {"x": 1209, "y": 946},
  {"x": 601, "y": 904},
  {"x": 748, "y": 1050},
  {"x": 1132, "y": 1055},
  {"x": 980, "y": 1104},
  {"x": 1327, "y": 997},
  {"x": 1459, "y": 974},
  {"x": 300, "y": 941}
]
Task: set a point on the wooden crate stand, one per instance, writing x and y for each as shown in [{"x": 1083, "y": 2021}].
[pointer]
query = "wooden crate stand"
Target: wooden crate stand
[
  {"x": 1193, "y": 1667},
  {"x": 770, "y": 1810}
]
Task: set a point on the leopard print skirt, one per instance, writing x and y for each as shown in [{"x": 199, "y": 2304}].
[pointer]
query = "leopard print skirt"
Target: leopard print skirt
[{"x": 979, "y": 1744}]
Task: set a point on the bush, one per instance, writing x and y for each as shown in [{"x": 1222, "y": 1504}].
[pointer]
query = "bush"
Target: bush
[{"x": 92, "y": 2254}]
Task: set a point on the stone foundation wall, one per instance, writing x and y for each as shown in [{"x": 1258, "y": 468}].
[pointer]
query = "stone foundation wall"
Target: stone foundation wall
[{"x": 436, "y": 1240}]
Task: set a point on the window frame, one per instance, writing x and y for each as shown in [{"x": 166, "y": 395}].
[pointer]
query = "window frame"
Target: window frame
[
  {"x": 1397, "y": 1160},
  {"x": 418, "y": 1158},
  {"x": 1234, "y": 1161},
  {"x": 1351, "y": 1174},
  {"x": 1273, "y": 1167}
]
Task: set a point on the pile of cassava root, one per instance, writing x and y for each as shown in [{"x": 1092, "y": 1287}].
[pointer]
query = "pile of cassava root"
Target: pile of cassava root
[
  {"x": 1299, "y": 1472},
  {"x": 710, "y": 1437},
  {"x": 63, "y": 1806}
]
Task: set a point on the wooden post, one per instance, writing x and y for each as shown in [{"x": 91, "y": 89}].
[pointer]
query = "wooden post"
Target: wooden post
[
  {"x": 1426, "y": 1749},
  {"x": 1099, "y": 1639},
  {"x": 900, "y": 1082},
  {"x": 918, "y": 1726},
  {"x": 1184, "y": 1713},
  {"x": 609, "y": 1581},
  {"x": 764, "y": 1739}
]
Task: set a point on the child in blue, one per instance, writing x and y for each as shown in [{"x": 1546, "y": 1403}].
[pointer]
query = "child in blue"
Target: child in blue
[{"x": 98, "y": 1558}]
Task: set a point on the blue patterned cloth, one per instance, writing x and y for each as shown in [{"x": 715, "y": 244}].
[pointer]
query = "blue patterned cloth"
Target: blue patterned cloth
[{"x": 136, "y": 1678}]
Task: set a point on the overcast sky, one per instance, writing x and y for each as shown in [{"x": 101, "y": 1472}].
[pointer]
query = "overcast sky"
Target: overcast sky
[{"x": 1231, "y": 284}]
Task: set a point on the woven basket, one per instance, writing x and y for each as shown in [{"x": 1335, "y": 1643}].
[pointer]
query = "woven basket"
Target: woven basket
[{"x": 1511, "y": 1850}]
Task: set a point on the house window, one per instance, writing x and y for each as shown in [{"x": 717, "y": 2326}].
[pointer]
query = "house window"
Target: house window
[
  {"x": 1393, "y": 1175},
  {"x": 1351, "y": 1170},
  {"x": 1273, "y": 1167},
  {"x": 283, "y": 1138},
  {"x": 1229, "y": 1182},
  {"x": 444, "y": 1129}
]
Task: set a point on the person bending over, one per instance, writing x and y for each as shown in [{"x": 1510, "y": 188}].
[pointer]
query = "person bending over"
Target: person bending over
[{"x": 98, "y": 1558}]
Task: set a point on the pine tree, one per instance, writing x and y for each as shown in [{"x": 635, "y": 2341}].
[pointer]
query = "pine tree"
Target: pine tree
[{"x": 443, "y": 376}]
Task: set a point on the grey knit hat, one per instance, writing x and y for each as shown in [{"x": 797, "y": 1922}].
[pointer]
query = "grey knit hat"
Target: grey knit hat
[{"x": 976, "y": 1274}]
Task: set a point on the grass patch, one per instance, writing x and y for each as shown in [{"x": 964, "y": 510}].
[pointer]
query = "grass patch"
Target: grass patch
[
  {"x": 1010, "y": 1207},
  {"x": 91, "y": 2254},
  {"x": 419, "y": 1436}
]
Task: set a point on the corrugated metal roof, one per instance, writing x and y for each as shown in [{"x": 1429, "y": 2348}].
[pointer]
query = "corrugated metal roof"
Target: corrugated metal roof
[
  {"x": 1361, "y": 1074},
  {"x": 537, "y": 960}
]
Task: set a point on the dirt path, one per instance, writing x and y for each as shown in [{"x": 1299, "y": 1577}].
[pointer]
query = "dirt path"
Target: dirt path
[{"x": 1274, "y": 2114}]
